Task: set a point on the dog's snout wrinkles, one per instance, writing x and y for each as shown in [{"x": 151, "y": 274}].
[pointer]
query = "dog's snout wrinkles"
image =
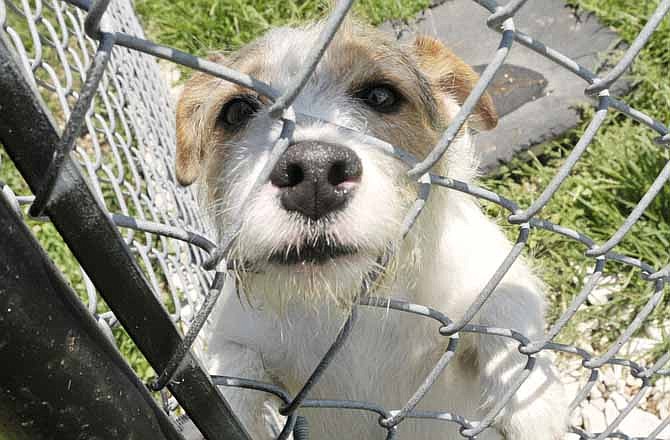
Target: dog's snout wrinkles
[{"x": 316, "y": 179}]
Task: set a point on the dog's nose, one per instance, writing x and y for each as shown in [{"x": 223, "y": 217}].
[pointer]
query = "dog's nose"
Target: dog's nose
[{"x": 316, "y": 179}]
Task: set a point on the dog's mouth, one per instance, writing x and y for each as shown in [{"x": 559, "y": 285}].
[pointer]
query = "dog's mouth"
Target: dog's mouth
[{"x": 318, "y": 252}]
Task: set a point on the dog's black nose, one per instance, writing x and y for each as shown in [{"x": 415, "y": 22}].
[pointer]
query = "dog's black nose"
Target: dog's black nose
[{"x": 316, "y": 179}]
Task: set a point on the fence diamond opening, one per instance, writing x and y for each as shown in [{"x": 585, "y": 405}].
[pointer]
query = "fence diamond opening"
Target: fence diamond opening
[{"x": 79, "y": 82}]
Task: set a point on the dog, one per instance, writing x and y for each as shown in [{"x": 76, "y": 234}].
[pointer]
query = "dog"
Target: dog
[{"x": 331, "y": 214}]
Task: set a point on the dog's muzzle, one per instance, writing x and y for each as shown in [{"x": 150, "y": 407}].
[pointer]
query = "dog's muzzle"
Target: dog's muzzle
[{"x": 316, "y": 179}]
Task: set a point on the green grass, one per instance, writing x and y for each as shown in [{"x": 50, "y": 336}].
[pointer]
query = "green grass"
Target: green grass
[
  {"x": 202, "y": 26},
  {"x": 608, "y": 181}
]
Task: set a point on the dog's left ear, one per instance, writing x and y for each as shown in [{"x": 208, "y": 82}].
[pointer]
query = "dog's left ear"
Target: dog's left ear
[{"x": 454, "y": 78}]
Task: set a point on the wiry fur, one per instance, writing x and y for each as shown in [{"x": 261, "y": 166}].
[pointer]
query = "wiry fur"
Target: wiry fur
[{"x": 283, "y": 319}]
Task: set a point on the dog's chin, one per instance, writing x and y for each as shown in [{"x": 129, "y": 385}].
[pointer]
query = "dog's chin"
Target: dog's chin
[{"x": 313, "y": 275}]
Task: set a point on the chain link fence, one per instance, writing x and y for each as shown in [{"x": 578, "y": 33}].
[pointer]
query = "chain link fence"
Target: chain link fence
[{"x": 85, "y": 71}]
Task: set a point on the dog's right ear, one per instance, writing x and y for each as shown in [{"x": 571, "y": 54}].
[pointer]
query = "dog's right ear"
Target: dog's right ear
[{"x": 191, "y": 131}]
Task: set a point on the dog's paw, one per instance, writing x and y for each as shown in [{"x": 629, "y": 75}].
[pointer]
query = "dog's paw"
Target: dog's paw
[{"x": 545, "y": 418}]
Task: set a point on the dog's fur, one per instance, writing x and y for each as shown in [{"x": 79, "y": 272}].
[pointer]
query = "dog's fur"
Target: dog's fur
[{"x": 285, "y": 316}]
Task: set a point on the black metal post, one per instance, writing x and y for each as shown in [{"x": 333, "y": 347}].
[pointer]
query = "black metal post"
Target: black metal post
[{"x": 61, "y": 378}]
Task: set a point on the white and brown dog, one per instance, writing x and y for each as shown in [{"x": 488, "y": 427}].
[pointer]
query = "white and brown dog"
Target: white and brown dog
[{"x": 331, "y": 209}]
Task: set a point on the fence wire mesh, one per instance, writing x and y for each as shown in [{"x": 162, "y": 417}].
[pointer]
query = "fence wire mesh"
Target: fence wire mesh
[{"x": 96, "y": 74}]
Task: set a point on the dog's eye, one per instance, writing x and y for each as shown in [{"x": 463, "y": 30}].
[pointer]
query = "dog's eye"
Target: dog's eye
[
  {"x": 381, "y": 98},
  {"x": 238, "y": 111}
]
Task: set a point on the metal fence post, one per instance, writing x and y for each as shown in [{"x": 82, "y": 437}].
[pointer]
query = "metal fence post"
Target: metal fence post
[{"x": 61, "y": 378}]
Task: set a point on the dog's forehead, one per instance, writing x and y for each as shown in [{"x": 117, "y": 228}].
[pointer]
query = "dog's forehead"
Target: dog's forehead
[{"x": 357, "y": 53}]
